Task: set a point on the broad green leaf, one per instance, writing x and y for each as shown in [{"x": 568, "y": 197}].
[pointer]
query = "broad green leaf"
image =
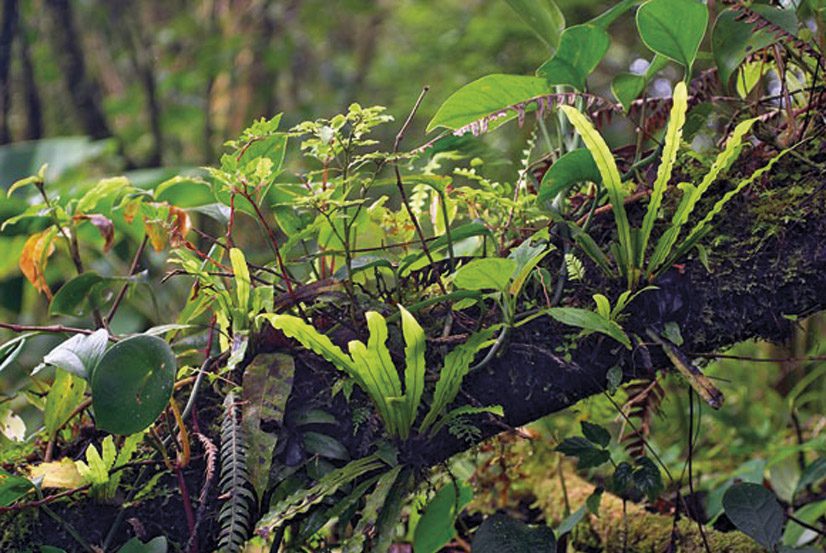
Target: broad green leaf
[
  {"x": 502, "y": 534},
  {"x": 155, "y": 545},
  {"x": 732, "y": 41},
  {"x": 436, "y": 527},
  {"x": 673, "y": 28},
  {"x": 596, "y": 434},
  {"x": 588, "y": 454},
  {"x": 78, "y": 355},
  {"x": 527, "y": 257},
  {"x": 589, "y": 321},
  {"x": 574, "y": 167},
  {"x": 543, "y": 16},
  {"x": 414, "y": 367},
  {"x": 647, "y": 478},
  {"x": 266, "y": 385},
  {"x": 490, "y": 273},
  {"x": 324, "y": 445},
  {"x": 242, "y": 277},
  {"x": 460, "y": 233},
  {"x": 362, "y": 263},
  {"x": 77, "y": 297},
  {"x": 490, "y": 95},
  {"x": 132, "y": 384},
  {"x": 611, "y": 179},
  {"x": 105, "y": 190},
  {"x": 185, "y": 192},
  {"x": 754, "y": 510},
  {"x": 627, "y": 87},
  {"x": 13, "y": 488},
  {"x": 65, "y": 394},
  {"x": 581, "y": 48},
  {"x": 673, "y": 136}
]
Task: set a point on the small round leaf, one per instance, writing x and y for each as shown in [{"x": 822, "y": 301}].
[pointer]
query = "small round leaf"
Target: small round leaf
[{"x": 132, "y": 384}]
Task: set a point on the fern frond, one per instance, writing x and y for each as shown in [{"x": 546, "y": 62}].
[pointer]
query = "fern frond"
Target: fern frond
[
  {"x": 236, "y": 513},
  {"x": 302, "y": 500}
]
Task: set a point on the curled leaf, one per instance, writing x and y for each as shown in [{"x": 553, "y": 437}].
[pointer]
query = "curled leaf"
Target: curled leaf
[{"x": 35, "y": 255}]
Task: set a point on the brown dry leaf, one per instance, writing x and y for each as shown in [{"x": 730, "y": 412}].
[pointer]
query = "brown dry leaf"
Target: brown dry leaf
[
  {"x": 180, "y": 223},
  {"x": 35, "y": 256},
  {"x": 104, "y": 226}
]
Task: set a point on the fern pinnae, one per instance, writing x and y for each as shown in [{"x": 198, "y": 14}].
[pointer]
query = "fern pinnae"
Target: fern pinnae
[
  {"x": 673, "y": 136},
  {"x": 414, "y": 367},
  {"x": 236, "y": 513}
]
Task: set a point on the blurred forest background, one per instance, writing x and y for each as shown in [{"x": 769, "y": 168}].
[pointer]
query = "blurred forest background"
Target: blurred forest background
[{"x": 153, "y": 88}]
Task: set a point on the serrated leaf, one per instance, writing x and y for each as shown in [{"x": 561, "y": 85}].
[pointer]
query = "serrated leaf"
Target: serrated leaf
[
  {"x": 647, "y": 478},
  {"x": 588, "y": 454},
  {"x": 596, "y": 434}
]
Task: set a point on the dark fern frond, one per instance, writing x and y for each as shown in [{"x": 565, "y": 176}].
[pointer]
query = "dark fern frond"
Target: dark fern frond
[
  {"x": 644, "y": 401},
  {"x": 237, "y": 511}
]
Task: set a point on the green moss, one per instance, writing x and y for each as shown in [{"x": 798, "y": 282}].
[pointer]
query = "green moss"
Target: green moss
[{"x": 16, "y": 529}]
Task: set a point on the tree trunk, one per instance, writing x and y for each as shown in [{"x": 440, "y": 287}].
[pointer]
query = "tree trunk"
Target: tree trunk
[
  {"x": 83, "y": 89},
  {"x": 8, "y": 28},
  {"x": 34, "y": 106}
]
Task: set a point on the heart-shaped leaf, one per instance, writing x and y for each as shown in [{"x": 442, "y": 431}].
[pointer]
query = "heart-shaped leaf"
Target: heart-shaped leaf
[
  {"x": 132, "y": 384},
  {"x": 733, "y": 40},
  {"x": 580, "y": 50},
  {"x": 543, "y": 16},
  {"x": 673, "y": 28}
]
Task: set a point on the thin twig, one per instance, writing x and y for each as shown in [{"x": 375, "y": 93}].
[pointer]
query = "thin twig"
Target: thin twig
[
  {"x": 132, "y": 268},
  {"x": 53, "y": 329},
  {"x": 43, "y": 501},
  {"x": 403, "y": 194}
]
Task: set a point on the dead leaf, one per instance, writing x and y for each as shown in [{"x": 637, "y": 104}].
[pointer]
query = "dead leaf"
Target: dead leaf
[
  {"x": 58, "y": 474},
  {"x": 35, "y": 256},
  {"x": 104, "y": 226}
]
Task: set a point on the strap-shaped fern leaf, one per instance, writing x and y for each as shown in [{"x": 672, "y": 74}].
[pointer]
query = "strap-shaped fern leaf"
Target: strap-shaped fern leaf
[{"x": 236, "y": 513}]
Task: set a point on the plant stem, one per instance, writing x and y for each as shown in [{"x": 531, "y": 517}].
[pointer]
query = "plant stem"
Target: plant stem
[
  {"x": 54, "y": 329},
  {"x": 132, "y": 268},
  {"x": 403, "y": 194}
]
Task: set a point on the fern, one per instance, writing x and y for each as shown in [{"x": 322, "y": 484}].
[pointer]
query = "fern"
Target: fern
[
  {"x": 236, "y": 513},
  {"x": 574, "y": 267},
  {"x": 301, "y": 501}
]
